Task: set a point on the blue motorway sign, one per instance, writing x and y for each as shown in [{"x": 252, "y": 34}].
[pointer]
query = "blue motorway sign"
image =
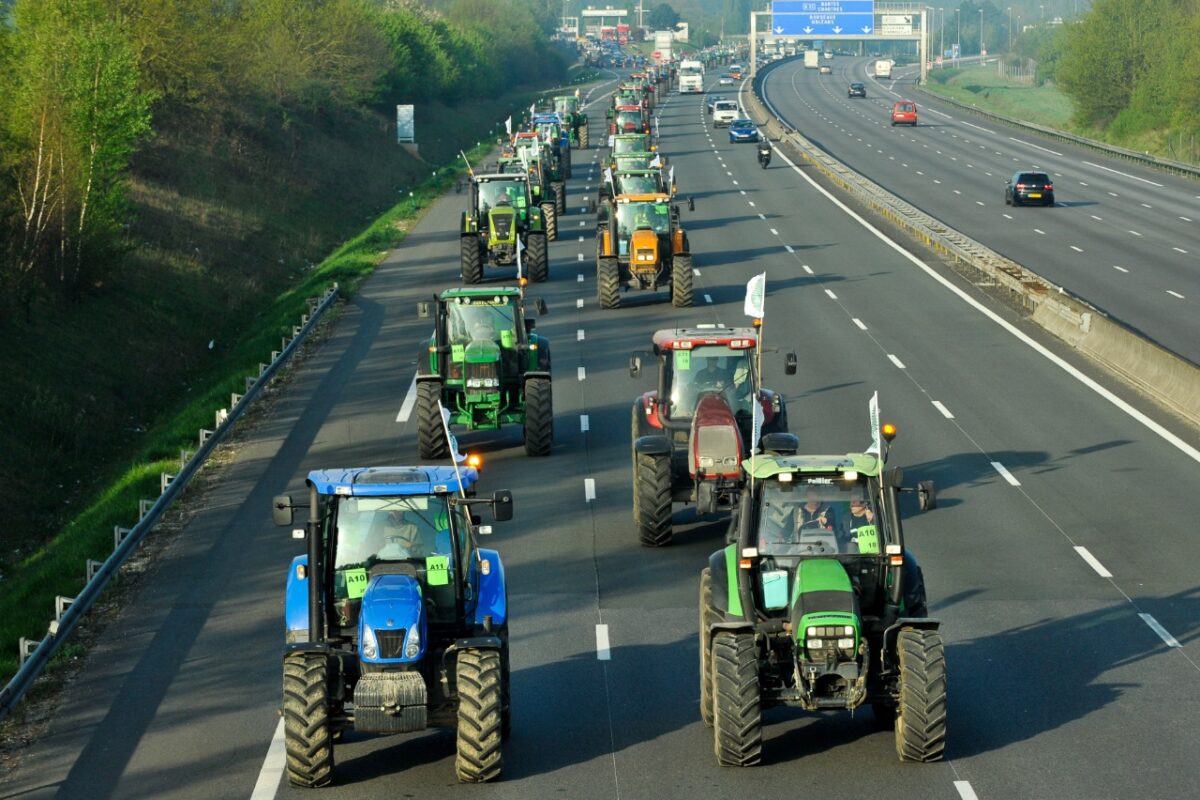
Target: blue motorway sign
[
  {"x": 823, "y": 7},
  {"x": 822, "y": 24}
]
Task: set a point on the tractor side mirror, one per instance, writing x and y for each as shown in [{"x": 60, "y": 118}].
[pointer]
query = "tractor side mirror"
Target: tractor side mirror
[
  {"x": 540, "y": 305},
  {"x": 894, "y": 477},
  {"x": 423, "y": 310},
  {"x": 281, "y": 510},
  {"x": 502, "y": 505},
  {"x": 635, "y": 365},
  {"x": 529, "y": 325},
  {"x": 789, "y": 364}
]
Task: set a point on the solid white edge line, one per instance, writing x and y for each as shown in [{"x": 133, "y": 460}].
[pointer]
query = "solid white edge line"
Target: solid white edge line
[
  {"x": 945, "y": 412},
  {"x": 1125, "y": 174},
  {"x": 899, "y": 364},
  {"x": 603, "y": 651},
  {"x": 585, "y": 424},
  {"x": 1162, "y": 632},
  {"x": 1138, "y": 416},
  {"x": 1004, "y": 473},
  {"x": 589, "y": 489},
  {"x": 965, "y": 791},
  {"x": 272, "y": 769},
  {"x": 410, "y": 399},
  {"x": 1093, "y": 562}
]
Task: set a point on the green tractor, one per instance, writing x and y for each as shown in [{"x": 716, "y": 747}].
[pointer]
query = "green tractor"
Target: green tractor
[
  {"x": 529, "y": 147},
  {"x": 486, "y": 367},
  {"x": 501, "y": 221},
  {"x": 548, "y": 196},
  {"x": 816, "y": 604},
  {"x": 569, "y": 107}
]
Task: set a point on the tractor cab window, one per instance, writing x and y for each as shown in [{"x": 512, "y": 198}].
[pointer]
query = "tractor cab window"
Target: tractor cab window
[
  {"x": 632, "y": 216},
  {"x": 818, "y": 515},
  {"x": 473, "y": 319},
  {"x": 636, "y": 184},
  {"x": 629, "y": 120},
  {"x": 711, "y": 368},
  {"x": 628, "y": 144},
  {"x": 494, "y": 193}
]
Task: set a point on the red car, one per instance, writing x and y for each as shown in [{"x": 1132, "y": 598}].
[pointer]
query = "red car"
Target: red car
[{"x": 904, "y": 112}]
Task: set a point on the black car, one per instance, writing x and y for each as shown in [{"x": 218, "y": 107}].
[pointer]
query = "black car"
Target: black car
[
  {"x": 1024, "y": 188},
  {"x": 856, "y": 90}
]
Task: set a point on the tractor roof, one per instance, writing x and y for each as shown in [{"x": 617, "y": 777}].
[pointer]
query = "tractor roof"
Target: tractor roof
[
  {"x": 768, "y": 466},
  {"x": 656, "y": 197},
  {"x": 378, "y": 481},
  {"x": 518, "y": 177},
  {"x": 688, "y": 338},
  {"x": 480, "y": 291},
  {"x": 653, "y": 172}
]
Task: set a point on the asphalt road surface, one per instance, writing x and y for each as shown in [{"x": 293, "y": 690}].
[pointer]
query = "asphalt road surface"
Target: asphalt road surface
[{"x": 1060, "y": 558}]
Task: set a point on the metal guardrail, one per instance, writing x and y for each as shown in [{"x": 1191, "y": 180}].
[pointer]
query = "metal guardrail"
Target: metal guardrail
[{"x": 69, "y": 611}]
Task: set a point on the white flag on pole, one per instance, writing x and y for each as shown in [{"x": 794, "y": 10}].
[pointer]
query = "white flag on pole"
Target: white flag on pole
[
  {"x": 608, "y": 174},
  {"x": 671, "y": 176},
  {"x": 758, "y": 420},
  {"x": 756, "y": 296},
  {"x": 532, "y": 109},
  {"x": 520, "y": 249},
  {"x": 454, "y": 454},
  {"x": 508, "y": 125},
  {"x": 873, "y": 408},
  {"x": 655, "y": 162}
]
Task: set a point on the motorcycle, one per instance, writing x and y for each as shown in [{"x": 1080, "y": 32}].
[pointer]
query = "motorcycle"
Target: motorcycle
[{"x": 764, "y": 154}]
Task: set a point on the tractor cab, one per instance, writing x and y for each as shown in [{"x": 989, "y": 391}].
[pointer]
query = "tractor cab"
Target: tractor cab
[
  {"x": 641, "y": 244},
  {"x": 635, "y": 142},
  {"x": 503, "y": 201},
  {"x": 391, "y": 613},
  {"x": 502, "y": 214},
  {"x": 635, "y": 159},
  {"x": 630, "y": 119},
  {"x": 571, "y": 110}
]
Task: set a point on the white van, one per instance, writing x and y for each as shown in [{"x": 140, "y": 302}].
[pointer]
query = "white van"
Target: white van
[{"x": 725, "y": 112}]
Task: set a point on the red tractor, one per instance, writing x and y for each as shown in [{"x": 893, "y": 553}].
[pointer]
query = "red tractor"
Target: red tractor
[
  {"x": 692, "y": 433},
  {"x": 629, "y": 119}
]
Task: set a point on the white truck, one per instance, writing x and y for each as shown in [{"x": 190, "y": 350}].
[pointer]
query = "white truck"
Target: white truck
[
  {"x": 662, "y": 45},
  {"x": 812, "y": 59},
  {"x": 883, "y": 69},
  {"x": 691, "y": 76}
]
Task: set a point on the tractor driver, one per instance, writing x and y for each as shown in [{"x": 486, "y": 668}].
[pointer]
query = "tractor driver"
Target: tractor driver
[
  {"x": 404, "y": 538},
  {"x": 643, "y": 218},
  {"x": 711, "y": 378}
]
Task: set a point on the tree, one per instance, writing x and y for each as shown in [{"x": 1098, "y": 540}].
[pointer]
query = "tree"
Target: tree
[{"x": 663, "y": 17}]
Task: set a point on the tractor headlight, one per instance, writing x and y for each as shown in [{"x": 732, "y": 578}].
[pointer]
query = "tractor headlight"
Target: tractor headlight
[
  {"x": 482, "y": 383},
  {"x": 412, "y": 648},
  {"x": 845, "y": 644},
  {"x": 370, "y": 648}
]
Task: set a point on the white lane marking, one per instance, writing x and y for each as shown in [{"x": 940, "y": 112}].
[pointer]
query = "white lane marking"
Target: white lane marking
[
  {"x": 696, "y": 272},
  {"x": 584, "y": 423},
  {"x": 807, "y": 268},
  {"x": 1135, "y": 233},
  {"x": 832, "y": 296},
  {"x": 581, "y": 238},
  {"x": 1114, "y": 194},
  {"x": 582, "y": 372},
  {"x": 899, "y": 364},
  {"x": 1039, "y": 231},
  {"x": 789, "y": 248},
  {"x": 978, "y": 202},
  {"x": 1123, "y": 174},
  {"x": 762, "y": 216},
  {"x": 1170, "y": 640},
  {"x": 1185, "y": 219},
  {"x": 976, "y": 127},
  {"x": 1007, "y": 216},
  {"x": 580, "y": 256},
  {"x": 735, "y": 183},
  {"x": 1077, "y": 249},
  {"x": 581, "y": 224},
  {"x": 775, "y": 232},
  {"x": 579, "y": 335},
  {"x": 272, "y": 769},
  {"x": 410, "y": 400},
  {"x": 858, "y": 322},
  {"x": 1008, "y": 476},
  {"x": 1122, "y": 269},
  {"x": 751, "y": 202},
  {"x": 589, "y": 494},
  {"x": 1081, "y": 183},
  {"x": 579, "y": 278},
  {"x": 603, "y": 652},
  {"x": 1173, "y": 293},
  {"x": 743, "y": 191},
  {"x": 1147, "y": 205},
  {"x": 965, "y": 792},
  {"x": 708, "y": 298},
  {"x": 1098, "y": 219},
  {"x": 1035, "y": 146},
  {"x": 1093, "y": 562},
  {"x": 579, "y": 303},
  {"x": 1179, "y": 250},
  {"x": 945, "y": 411}
]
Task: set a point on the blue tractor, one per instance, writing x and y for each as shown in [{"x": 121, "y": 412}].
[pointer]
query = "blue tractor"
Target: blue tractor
[{"x": 396, "y": 620}]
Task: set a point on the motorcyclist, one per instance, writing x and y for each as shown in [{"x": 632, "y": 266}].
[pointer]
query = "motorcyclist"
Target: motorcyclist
[{"x": 764, "y": 152}]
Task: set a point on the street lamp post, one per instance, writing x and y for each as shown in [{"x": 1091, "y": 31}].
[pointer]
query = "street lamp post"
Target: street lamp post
[
  {"x": 1010, "y": 29},
  {"x": 958, "y": 41},
  {"x": 942, "y": 34},
  {"x": 981, "y": 32}
]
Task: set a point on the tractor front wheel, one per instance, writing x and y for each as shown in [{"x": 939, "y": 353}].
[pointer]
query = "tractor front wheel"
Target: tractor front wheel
[
  {"x": 431, "y": 439},
  {"x": 583, "y": 136},
  {"x": 707, "y": 617},
  {"x": 560, "y": 199},
  {"x": 681, "y": 281},
  {"x": 536, "y": 265},
  {"x": 608, "y": 283},
  {"x": 921, "y": 716},
  {"x": 539, "y": 417},
  {"x": 737, "y": 723},
  {"x": 480, "y": 716},
  {"x": 652, "y": 485},
  {"x": 550, "y": 215},
  {"x": 471, "y": 257},
  {"x": 307, "y": 732}
]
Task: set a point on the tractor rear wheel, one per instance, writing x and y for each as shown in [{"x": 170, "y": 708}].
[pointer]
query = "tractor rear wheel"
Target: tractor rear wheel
[
  {"x": 608, "y": 283},
  {"x": 652, "y": 485},
  {"x": 921, "y": 716},
  {"x": 560, "y": 198},
  {"x": 536, "y": 266},
  {"x": 737, "y": 723},
  {"x": 479, "y": 716},
  {"x": 539, "y": 417},
  {"x": 471, "y": 257},
  {"x": 306, "y": 719},
  {"x": 707, "y": 617},
  {"x": 431, "y": 439},
  {"x": 550, "y": 215},
  {"x": 583, "y": 136},
  {"x": 681, "y": 281}
]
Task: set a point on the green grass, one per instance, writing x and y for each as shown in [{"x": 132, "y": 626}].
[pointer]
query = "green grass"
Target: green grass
[{"x": 983, "y": 87}]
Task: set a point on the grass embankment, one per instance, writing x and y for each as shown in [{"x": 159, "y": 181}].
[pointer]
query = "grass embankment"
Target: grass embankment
[{"x": 107, "y": 392}]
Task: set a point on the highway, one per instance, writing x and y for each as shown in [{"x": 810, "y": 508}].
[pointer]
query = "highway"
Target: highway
[
  {"x": 1059, "y": 557},
  {"x": 1124, "y": 237}
]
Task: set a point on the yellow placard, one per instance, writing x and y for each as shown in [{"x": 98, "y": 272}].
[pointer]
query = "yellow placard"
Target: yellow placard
[
  {"x": 868, "y": 539},
  {"x": 437, "y": 570},
  {"x": 356, "y": 583}
]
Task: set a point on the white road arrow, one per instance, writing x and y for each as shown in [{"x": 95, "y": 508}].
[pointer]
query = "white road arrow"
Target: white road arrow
[
  {"x": 778, "y": 29},
  {"x": 808, "y": 29},
  {"x": 837, "y": 30},
  {"x": 866, "y": 29}
]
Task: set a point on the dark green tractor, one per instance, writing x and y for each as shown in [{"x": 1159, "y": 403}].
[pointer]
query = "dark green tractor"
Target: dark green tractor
[
  {"x": 548, "y": 196},
  {"x": 816, "y": 604},
  {"x": 528, "y": 146},
  {"x": 500, "y": 216},
  {"x": 571, "y": 109},
  {"x": 487, "y": 368}
]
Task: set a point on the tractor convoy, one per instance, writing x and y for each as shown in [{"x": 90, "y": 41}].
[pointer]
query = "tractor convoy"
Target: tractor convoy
[{"x": 397, "y": 619}]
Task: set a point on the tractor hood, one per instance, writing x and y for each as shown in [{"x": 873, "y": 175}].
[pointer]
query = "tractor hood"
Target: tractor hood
[
  {"x": 716, "y": 450},
  {"x": 643, "y": 250},
  {"x": 824, "y": 608},
  {"x": 502, "y": 224},
  {"x": 481, "y": 352},
  {"x": 392, "y": 617}
]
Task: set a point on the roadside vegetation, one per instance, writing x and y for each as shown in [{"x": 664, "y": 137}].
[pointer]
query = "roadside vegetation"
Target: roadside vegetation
[{"x": 176, "y": 177}]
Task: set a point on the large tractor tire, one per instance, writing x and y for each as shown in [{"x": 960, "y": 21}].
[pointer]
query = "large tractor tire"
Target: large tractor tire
[
  {"x": 431, "y": 438},
  {"x": 652, "y": 485},
  {"x": 681, "y": 281},
  {"x": 550, "y": 215},
  {"x": 479, "y": 716},
  {"x": 560, "y": 198},
  {"x": 608, "y": 283},
  {"x": 505, "y": 686},
  {"x": 921, "y": 716},
  {"x": 308, "y": 737},
  {"x": 539, "y": 417},
  {"x": 583, "y": 136},
  {"x": 471, "y": 256},
  {"x": 536, "y": 262},
  {"x": 737, "y": 723},
  {"x": 708, "y": 615}
]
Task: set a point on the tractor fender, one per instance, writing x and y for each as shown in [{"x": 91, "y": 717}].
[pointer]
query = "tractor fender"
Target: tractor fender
[
  {"x": 888, "y": 657},
  {"x": 393, "y": 602},
  {"x": 652, "y": 445},
  {"x": 645, "y": 411},
  {"x": 295, "y": 609},
  {"x": 426, "y": 378},
  {"x": 722, "y": 566},
  {"x": 492, "y": 594},
  {"x": 537, "y": 374}
]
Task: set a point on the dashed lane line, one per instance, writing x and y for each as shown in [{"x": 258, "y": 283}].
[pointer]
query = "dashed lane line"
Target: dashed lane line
[
  {"x": 1093, "y": 562},
  {"x": 945, "y": 412},
  {"x": 1004, "y": 473}
]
